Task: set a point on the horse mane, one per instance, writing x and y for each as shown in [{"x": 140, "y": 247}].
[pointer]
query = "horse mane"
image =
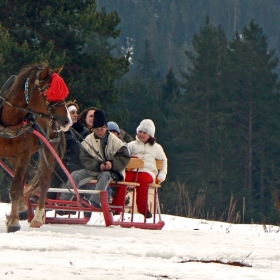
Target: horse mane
[{"x": 18, "y": 85}]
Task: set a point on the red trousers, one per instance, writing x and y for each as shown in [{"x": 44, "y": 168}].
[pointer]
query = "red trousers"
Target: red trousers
[{"x": 144, "y": 179}]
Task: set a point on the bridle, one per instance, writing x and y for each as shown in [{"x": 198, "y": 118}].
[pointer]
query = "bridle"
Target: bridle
[{"x": 42, "y": 89}]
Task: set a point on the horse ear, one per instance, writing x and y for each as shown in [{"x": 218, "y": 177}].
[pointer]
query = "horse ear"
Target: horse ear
[
  {"x": 58, "y": 70},
  {"x": 45, "y": 73}
]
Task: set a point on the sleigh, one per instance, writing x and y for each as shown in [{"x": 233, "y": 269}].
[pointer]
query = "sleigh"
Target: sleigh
[{"x": 79, "y": 210}]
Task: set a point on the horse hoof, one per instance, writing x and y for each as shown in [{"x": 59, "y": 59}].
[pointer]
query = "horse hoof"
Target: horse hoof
[
  {"x": 35, "y": 224},
  {"x": 23, "y": 215},
  {"x": 13, "y": 228}
]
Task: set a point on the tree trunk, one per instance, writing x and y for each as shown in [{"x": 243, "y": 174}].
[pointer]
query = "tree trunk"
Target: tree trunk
[{"x": 250, "y": 148}]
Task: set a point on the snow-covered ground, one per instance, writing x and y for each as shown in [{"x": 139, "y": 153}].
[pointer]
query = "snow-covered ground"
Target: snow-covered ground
[{"x": 183, "y": 249}]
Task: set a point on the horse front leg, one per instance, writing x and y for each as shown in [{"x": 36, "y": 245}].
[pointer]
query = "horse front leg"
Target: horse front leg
[
  {"x": 44, "y": 181},
  {"x": 16, "y": 194}
]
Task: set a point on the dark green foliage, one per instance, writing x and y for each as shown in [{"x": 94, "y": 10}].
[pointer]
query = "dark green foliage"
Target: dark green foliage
[
  {"x": 230, "y": 98},
  {"x": 254, "y": 87},
  {"x": 70, "y": 33},
  {"x": 170, "y": 25},
  {"x": 170, "y": 134},
  {"x": 141, "y": 93},
  {"x": 170, "y": 93}
]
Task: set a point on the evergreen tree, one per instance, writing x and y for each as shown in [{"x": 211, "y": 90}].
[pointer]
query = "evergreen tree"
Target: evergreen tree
[
  {"x": 170, "y": 135},
  {"x": 141, "y": 94},
  {"x": 209, "y": 144},
  {"x": 70, "y": 33},
  {"x": 254, "y": 89},
  {"x": 170, "y": 93}
]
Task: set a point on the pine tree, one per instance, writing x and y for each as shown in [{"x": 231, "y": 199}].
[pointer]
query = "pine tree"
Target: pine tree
[
  {"x": 254, "y": 90},
  {"x": 170, "y": 92},
  {"x": 70, "y": 33},
  {"x": 140, "y": 95},
  {"x": 209, "y": 143},
  {"x": 171, "y": 138}
]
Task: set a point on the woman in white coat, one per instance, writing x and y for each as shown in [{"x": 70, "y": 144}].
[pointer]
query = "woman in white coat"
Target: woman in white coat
[{"x": 144, "y": 147}]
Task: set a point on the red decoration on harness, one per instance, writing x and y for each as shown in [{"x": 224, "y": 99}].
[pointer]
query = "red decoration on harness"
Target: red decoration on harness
[
  {"x": 24, "y": 122},
  {"x": 58, "y": 90}
]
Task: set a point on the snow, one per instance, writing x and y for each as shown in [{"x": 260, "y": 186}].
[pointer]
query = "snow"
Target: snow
[{"x": 184, "y": 249}]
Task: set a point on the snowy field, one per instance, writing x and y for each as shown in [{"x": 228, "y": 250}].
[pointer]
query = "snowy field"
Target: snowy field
[{"x": 183, "y": 249}]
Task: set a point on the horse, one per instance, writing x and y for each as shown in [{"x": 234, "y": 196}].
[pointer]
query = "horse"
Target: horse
[{"x": 33, "y": 100}]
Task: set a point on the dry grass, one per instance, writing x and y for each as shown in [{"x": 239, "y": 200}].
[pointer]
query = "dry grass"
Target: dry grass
[
  {"x": 185, "y": 205},
  {"x": 196, "y": 209}
]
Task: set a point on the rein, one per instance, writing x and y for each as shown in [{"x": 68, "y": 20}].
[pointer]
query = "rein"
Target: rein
[
  {"x": 42, "y": 90},
  {"x": 28, "y": 110},
  {"x": 73, "y": 132}
]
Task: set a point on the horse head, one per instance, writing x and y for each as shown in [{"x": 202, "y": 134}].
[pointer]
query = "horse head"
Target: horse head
[
  {"x": 40, "y": 92},
  {"x": 45, "y": 94}
]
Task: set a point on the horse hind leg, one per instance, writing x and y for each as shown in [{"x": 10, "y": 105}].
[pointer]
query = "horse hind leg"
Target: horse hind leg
[{"x": 22, "y": 210}]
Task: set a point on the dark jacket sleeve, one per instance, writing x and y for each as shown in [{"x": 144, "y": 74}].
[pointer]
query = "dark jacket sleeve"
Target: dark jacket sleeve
[
  {"x": 120, "y": 159},
  {"x": 71, "y": 157},
  {"x": 85, "y": 132}
]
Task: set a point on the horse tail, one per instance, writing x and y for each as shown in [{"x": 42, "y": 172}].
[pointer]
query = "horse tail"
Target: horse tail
[{"x": 34, "y": 184}]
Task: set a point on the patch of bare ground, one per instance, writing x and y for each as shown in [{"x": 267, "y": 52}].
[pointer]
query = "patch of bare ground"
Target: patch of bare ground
[{"x": 233, "y": 263}]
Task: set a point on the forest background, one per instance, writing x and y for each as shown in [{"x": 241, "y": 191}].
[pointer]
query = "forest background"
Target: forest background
[{"x": 205, "y": 71}]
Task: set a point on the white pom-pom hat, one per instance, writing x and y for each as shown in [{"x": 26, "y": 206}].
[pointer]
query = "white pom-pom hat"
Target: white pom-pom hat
[{"x": 147, "y": 126}]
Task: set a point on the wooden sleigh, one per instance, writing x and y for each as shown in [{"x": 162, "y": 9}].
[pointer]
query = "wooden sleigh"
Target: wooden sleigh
[{"x": 83, "y": 209}]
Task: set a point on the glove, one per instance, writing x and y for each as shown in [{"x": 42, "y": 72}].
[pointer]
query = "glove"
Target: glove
[{"x": 159, "y": 180}]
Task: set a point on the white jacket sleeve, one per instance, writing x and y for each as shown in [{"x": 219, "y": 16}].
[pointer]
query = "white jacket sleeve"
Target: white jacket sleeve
[{"x": 161, "y": 155}]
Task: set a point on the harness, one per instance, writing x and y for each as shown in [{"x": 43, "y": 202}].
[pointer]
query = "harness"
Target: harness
[{"x": 31, "y": 117}]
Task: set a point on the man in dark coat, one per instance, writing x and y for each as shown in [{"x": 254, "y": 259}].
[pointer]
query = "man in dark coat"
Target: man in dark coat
[{"x": 71, "y": 158}]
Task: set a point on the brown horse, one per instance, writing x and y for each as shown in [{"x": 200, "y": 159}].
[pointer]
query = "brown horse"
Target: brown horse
[{"x": 34, "y": 100}]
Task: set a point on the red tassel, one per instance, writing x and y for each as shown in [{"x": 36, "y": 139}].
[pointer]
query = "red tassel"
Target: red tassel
[{"x": 58, "y": 90}]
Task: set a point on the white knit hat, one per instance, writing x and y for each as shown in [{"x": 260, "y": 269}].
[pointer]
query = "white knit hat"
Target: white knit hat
[{"x": 147, "y": 126}]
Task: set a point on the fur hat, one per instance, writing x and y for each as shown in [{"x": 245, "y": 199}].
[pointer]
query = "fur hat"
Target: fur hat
[
  {"x": 99, "y": 119},
  {"x": 147, "y": 126},
  {"x": 112, "y": 126}
]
